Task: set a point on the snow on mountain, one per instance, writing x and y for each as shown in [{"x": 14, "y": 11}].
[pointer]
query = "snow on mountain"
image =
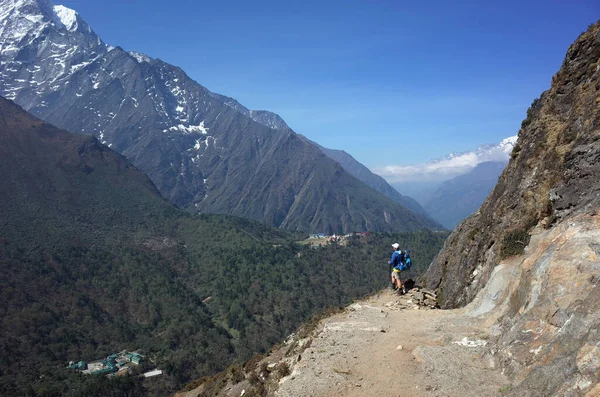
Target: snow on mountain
[
  {"x": 140, "y": 57},
  {"x": 177, "y": 131},
  {"x": 67, "y": 17},
  {"x": 451, "y": 165},
  {"x": 37, "y": 57}
]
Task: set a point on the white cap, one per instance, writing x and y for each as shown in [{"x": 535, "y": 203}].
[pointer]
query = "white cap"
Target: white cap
[{"x": 395, "y": 246}]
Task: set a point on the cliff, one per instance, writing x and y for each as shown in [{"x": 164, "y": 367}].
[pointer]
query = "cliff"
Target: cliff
[
  {"x": 553, "y": 175},
  {"x": 528, "y": 260}
]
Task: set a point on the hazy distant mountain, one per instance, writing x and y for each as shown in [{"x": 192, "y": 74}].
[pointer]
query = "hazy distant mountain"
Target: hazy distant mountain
[
  {"x": 202, "y": 151},
  {"x": 483, "y": 153},
  {"x": 439, "y": 186},
  {"x": 449, "y": 166},
  {"x": 459, "y": 197}
]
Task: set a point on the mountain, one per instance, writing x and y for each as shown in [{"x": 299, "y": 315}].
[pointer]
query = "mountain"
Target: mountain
[
  {"x": 349, "y": 163},
  {"x": 459, "y": 197},
  {"x": 93, "y": 261},
  {"x": 442, "y": 185},
  {"x": 264, "y": 117},
  {"x": 201, "y": 152},
  {"x": 529, "y": 256},
  {"x": 448, "y": 166},
  {"x": 365, "y": 175},
  {"x": 483, "y": 153}
]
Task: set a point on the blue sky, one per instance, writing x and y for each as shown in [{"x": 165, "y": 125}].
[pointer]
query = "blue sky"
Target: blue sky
[{"x": 391, "y": 82}]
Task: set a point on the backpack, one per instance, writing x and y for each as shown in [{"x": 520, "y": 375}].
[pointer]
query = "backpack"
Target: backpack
[{"x": 406, "y": 262}]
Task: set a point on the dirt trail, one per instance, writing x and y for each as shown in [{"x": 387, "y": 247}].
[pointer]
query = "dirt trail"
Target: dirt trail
[{"x": 383, "y": 346}]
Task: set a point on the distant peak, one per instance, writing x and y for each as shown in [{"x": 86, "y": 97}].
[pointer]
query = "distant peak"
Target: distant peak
[
  {"x": 67, "y": 17},
  {"x": 45, "y": 4},
  {"x": 26, "y": 7}
]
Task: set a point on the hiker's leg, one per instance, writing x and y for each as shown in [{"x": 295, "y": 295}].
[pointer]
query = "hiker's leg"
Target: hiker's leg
[{"x": 396, "y": 277}]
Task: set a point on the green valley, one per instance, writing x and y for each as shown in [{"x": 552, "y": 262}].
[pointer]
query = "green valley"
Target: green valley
[{"x": 93, "y": 261}]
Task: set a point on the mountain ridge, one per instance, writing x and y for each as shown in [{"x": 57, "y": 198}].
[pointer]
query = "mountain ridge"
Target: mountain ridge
[
  {"x": 349, "y": 163},
  {"x": 202, "y": 154},
  {"x": 459, "y": 197}
]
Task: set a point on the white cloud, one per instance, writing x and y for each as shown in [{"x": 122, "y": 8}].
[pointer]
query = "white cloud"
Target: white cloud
[{"x": 448, "y": 167}]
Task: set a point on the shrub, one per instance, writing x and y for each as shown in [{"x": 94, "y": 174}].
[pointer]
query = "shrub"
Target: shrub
[
  {"x": 514, "y": 243},
  {"x": 283, "y": 369}
]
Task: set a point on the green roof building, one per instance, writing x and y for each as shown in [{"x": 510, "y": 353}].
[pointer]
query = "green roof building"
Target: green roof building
[
  {"x": 81, "y": 365},
  {"x": 133, "y": 357}
]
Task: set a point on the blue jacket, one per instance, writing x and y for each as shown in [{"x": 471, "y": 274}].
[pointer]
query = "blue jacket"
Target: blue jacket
[{"x": 396, "y": 259}]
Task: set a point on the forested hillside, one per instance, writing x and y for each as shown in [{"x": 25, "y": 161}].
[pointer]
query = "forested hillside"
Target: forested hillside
[{"x": 94, "y": 261}]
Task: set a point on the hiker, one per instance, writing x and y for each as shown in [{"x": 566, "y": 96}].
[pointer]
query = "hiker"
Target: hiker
[{"x": 395, "y": 264}]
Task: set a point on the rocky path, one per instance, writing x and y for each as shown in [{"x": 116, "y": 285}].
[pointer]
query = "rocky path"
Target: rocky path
[{"x": 388, "y": 346}]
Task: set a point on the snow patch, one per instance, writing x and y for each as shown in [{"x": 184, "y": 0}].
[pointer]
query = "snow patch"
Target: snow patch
[
  {"x": 140, "y": 57},
  {"x": 190, "y": 129},
  {"x": 75, "y": 68}
]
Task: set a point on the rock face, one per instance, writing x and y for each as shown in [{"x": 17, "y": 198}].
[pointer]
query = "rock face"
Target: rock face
[
  {"x": 544, "y": 307},
  {"x": 203, "y": 151},
  {"x": 553, "y": 175},
  {"x": 529, "y": 259}
]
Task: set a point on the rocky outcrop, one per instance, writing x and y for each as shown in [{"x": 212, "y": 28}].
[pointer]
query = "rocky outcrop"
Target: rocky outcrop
[
  {"x": 553, "y": 175},
  {"x": 542, "y": 308}
]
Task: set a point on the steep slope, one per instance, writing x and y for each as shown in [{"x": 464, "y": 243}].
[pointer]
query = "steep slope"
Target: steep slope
[
  {"x": 533, "y": 244},
  {"x": 349, "y": 163},
  {"x": 459, "y": 197},
  {"x": 78, "y": 279},
  {"x": 362, "y": 173},
  {"x": 551, "y": 175},
  {"x": 201, "y": 153}
]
